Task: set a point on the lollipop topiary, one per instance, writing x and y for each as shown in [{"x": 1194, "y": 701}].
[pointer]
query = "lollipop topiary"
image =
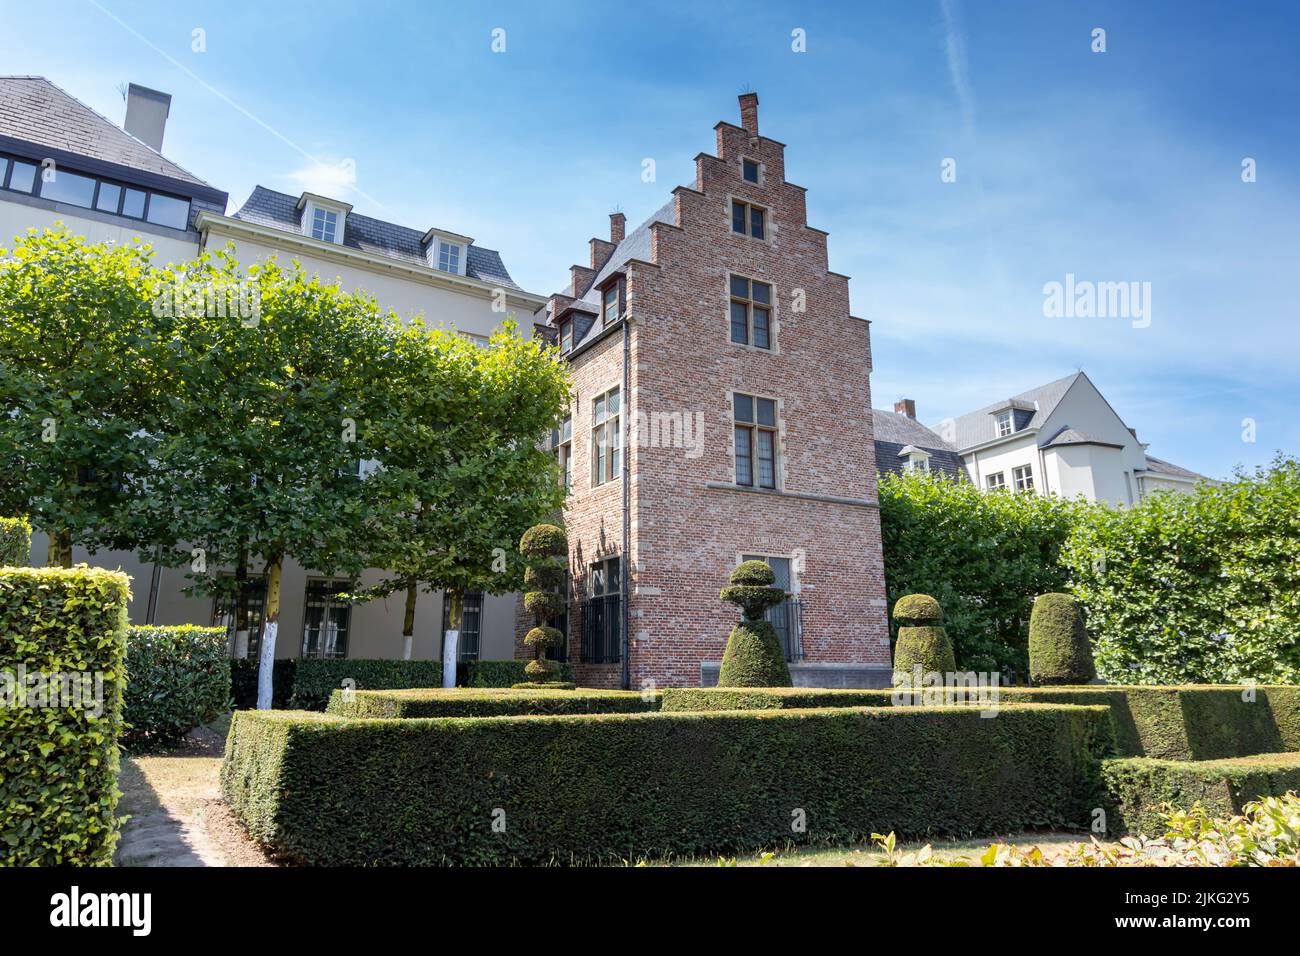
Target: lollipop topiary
[
  {"x": 922, "y": 640},
  {"x": 545, "y": 548},
  {"x": 753, "y": 657}
]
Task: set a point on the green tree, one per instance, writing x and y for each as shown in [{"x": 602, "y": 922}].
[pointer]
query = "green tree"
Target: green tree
[
  {"x": 984, "y": 556},
  {"x": 461, "y": 472},
  {"x": 258, "y": 456},
  {"x": 84, "y": 367}
]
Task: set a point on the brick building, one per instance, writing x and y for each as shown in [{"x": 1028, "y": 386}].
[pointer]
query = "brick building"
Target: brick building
[{"x": 748, "y": 433}]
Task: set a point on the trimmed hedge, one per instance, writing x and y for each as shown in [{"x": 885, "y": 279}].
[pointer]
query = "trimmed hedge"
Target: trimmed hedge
[
  {"x": 1138, "y": 786},
  {"x": 468, "y": 702},
  {"x": 504, "y": 673},
  {"x": 58, "y": 765},
  {"x": 678, "y": 699},
  {"x": 178, "y": 678},
  {"x": 15, "y": 542},
  {"x": 1059, "y": 653},
  {"x": 607, "y": 787}
]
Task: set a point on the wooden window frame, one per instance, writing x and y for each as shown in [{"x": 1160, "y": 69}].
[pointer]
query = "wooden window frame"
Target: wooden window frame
[
  {"x": 606, "y": 438},
  {"x": 752, "y": 428},
  {"x": 749, "y": 303}
]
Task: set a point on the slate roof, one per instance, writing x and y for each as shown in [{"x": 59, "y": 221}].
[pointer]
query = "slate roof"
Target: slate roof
[
  {"x": 975, "y": 428},
  {"x": 894, "y": 433},
  {"x": 34, "y": 110},
  {"x": 1072, "y": 436},
  {"x": 267, "y": 207},
  {"x": 1158, "y": 466}
]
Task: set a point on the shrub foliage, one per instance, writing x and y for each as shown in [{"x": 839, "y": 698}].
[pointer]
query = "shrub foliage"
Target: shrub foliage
[
  {"x": 58, "y": 764},
  {"x": 178, "y": 678},
  {"x": 15, "y": 542},
  {"x": 475, "y": 702},
  {"x": 1059, "y": 652},
  {"x": 753, "y": 657}
]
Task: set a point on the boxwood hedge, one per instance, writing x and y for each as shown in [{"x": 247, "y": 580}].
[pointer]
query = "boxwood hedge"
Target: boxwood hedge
[
  {"x": 1138, "y": 786},
  {"x": 768, "y": 698},
  {"x": 178, "y": 678},
  {"x": 15, "y": 542},
  {"x": 322, "y": 789},
  {"x": 58, "y": 764},
  {"x": 486, "y": 702}
]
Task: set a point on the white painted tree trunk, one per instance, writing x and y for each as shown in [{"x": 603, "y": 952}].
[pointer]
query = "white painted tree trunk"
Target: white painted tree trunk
[
  {"x": 266, "y": 663},
  {"x": 407, "y": 643},
  {"x": 450, "y": 643},
  {"x": 241, "y": 645}
]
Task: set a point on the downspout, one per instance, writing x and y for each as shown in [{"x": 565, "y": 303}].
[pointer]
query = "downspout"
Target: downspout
[{"x": 625, "y": 564}]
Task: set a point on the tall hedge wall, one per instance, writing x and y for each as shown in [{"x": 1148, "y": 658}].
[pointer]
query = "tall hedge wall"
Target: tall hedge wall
[
  {"x": 487, "y": 702},
  {"x": 58, "y": 764},
  {"x": 601, "y": 788},
  {"x": 15, "y": 542},
  {"x": 178, "y": 678}
]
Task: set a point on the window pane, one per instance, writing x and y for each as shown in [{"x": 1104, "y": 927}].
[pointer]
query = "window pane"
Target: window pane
[
  {"x": 766, "y": 411},
  {"x": 762, "y": 338},
  {"x": 755, "y": 223},
  {"x": 763, "y": 293},
  {"x": 598, "y": 410},
  {"x": 744, "y": 462},
  {"x": 744, "y": 408},
  {"x": 566, "y": 428},
  {"x": 611, "y": 403},
  {"x": 766, "y": 460},
  {"x": 4, "y": 169},
  {"x": 751, "y": 170},
  {"x": 738, "y": 217},
  {"x": 739, "y": 323},
  {"x": 133, "y": 204},
  {"x": 740, "y": 287},
  {"x": 109, "y": 196},
  {"x": 69, "y": 188},
  {"x": 566, "y": 336},
  {"x": 23, "y": 177},
  {"x": 169, "y": 211}
]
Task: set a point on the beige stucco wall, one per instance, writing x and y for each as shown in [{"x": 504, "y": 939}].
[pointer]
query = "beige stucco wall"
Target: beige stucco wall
[{"x": 169, "y": 245}]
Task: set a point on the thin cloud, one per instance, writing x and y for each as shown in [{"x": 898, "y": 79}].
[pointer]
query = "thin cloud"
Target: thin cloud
[
  {"x": 326, "y": 179},
  {"x": 958, "y": 72}
]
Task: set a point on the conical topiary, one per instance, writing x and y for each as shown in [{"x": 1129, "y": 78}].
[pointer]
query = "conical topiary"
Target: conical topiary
[
  {"x": 922, "y": 640},
  {"x": 545, "y": 547},
  {"x": 753, "y": 657},
  {"x": 1059, "y": 652}
]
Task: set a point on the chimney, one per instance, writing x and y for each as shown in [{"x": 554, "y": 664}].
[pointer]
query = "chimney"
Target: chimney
[
  {"x": 617, "y": 226},
  {"x": 749, "y": 112},
  {"x": 905, "y": 406},
  {"x": 146, "y": 114}
]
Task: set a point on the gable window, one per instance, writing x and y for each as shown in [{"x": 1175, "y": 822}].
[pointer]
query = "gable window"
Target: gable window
[
  {"x": 471, "y": 623},
  {"x": 756, "y": 445},
  {"x": 1005, "y": 424},
  {"x": 751, "y": 312},
  {"x": 326, "y": 619},
  {"x": 324, "y": 224},
  {"x": 1023, "y": 477},
  {"x": 749, "y": 170},
  {"x": 917, "y": 461},
  {"x": 448, "y": 257},
  {"x": 995, "y": 481},
  {"x": 562, "y": 446},
  {"x": 566, "y": 335},
  {"x": 748, "y": 219},
  {"x": 606, "y": 438}
]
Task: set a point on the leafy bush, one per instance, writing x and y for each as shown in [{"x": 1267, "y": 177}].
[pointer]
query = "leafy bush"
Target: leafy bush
[
  {"x": 58, "y": 764},
  {"x": 315, "y": 679},
  {"x": 1059, "y": 652},
  {"x": 600, "y": 788},
  {"x": 753, "y": 657},
  {"x": 15, "y": 542},
  {"x": 1139, "y": 787},
  {"x": 1199, "y": 588},
  {"x": 178, "y": 678},
  {"x": 468, "y": 702},
  {"x": 984, "y": 557}
]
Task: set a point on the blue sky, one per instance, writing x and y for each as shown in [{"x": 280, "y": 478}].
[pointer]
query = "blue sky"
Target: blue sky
[{"x": 1115, "y": 166}]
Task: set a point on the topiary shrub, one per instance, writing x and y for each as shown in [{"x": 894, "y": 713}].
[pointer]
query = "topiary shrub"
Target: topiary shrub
[
  {"x": 62, "y": 667},
  {"x": 545, "y": 547},
  {"x": 922, "y": 640},
  {"x": 1059, "y": 652},
  {"x": 178, "y": 678},
  {"x": 15, "y": 542},
  {"x": 753, "y": 657}
]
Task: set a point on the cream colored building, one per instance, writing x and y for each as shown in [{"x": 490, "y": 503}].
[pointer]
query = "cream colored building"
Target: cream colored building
[{"x": 61, "y": 162}]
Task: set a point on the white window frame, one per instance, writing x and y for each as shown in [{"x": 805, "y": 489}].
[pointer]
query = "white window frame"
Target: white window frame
[
  {"x": 917, "y": 461},
  {"x": 312, "y": 205},
  {"x": 453, "y": 250},
  {"x": 990, "y": 484},
  {"x": 434, "y": 242},
  {"x": 1006, "y": 423},
  {"x": 1023, "y": 477}
]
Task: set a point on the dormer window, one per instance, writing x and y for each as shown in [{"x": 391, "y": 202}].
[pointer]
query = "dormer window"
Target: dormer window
[
  {"x": 324, "y": 224},
  {"x": 448, "y": 257},
  {"x": 1006, "y": 424},
  {"x": 612, "y": 299},
  {"x": 323, "y": 219},
  {"x": 566, "y": 335}
]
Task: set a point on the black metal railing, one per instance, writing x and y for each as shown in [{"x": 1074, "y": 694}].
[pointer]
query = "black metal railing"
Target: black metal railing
[
  {"x": 602, "y": 629},
  {"x": 787, "y": 620}
]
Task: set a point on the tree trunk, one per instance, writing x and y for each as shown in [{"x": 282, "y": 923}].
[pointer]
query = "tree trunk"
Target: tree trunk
[
  {"x": 451, "y": 637},
  {"x": 59, "y": 554},
  {"x": 240, "y": 649},
  {"x": 408, "y": 622},
  {"x": 266, "y": 663}
]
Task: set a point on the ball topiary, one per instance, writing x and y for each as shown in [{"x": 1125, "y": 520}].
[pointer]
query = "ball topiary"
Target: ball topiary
[
  {"x": 923, "y": 645},
  {"x": 544, "y": 541},
  {"x": 544, "y": 638},
  {"x": 753, "y": 657},
  {"x": 543, "y": 577},
  {"x": 544, "y": 604},
  {"x": 1059, "y": 652},
  {"x": 540, "y": 669}
]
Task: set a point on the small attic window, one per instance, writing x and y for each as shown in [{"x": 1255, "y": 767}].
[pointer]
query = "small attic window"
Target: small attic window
[
  {"x": 1006, "y": 424},
  {"x": 324, "y": 224},
  {"x": 323, "y": 219},
  {"x": 449, "y": 255},
  {"x": 749, "y": 169}
]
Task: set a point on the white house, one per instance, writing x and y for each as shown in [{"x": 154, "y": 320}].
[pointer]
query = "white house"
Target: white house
[
  {"x": 60, "y": 161},
  {"x": 1061, "y": 438}
]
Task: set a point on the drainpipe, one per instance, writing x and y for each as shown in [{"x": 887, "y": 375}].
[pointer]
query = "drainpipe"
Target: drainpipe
[{"x": 625, "y": 564}]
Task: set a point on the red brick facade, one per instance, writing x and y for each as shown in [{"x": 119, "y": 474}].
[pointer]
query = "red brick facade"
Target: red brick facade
[{"x": 689, "y": 520}]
